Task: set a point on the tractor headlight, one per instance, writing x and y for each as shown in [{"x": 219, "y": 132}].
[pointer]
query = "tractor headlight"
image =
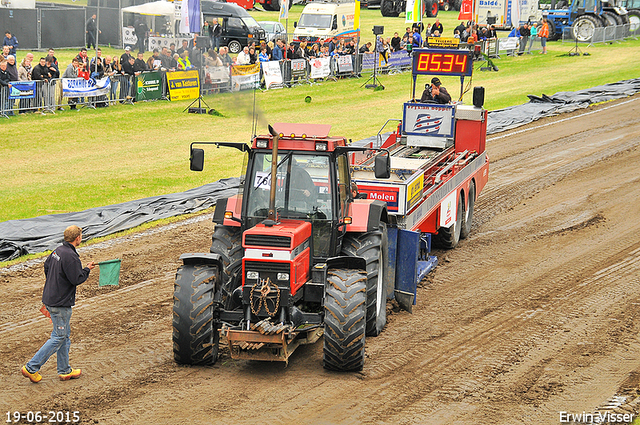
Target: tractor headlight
[
  {"x": 253, "y": 275},
  {"x": 283, "y": 276},
  {"x": 262, "y": 144},
  {"x": 321, "y": 146}
]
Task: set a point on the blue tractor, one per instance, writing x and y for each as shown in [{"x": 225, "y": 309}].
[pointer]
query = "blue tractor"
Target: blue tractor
[{"x": 584, "y": 16}]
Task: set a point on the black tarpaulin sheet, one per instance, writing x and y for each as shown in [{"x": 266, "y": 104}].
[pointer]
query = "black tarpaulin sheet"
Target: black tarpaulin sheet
[
  {"x": 38, "y": 234},
  {"x": 559, "y": 103}
]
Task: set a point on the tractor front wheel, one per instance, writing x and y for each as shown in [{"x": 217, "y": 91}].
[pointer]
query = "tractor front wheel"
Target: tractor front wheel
[
  {"x": 584, "y": 27},
  {"x": 374, "y": 248},
  {"x": 227, "y": 242},
  {"x": 195, "y": 336},
  {"x": 345, "y": 320}
]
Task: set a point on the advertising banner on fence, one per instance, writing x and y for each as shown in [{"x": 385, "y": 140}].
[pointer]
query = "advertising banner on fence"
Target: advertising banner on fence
[
  {"x": 245, "y": 77},
  {"x": 319, "y": 67},
  {"x": 25, "y": 90},
  {"x": 272, "y": 74},
  {"x": 399, "y": 59},
  {"x": 345, "y": 63},
  {"x": 79, "y": 87},
  {"x": 217, "y": 74},
  {"x": 298, "y": 69},
  {"x": 129, "y": 36},
  {"x": 149, "y": 86},
  {"x": 183, "y": 85}
]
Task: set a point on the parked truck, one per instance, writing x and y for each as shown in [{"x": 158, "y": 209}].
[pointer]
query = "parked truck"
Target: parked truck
[
  {"x": 324, "y": 232},
  {"x": 506, "y": 14},
  {"x": 321, "y": 20}
]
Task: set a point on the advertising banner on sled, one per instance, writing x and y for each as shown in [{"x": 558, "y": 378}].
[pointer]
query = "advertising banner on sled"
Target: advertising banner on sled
[
  {"x": 183, "y": 85},
  {"x": 79, "y": 87},
  {"x": 272, "y": 74},
  {"x": 245, "y": 77},
  {"x": 149, "y": 86},
  {"x": 319, "y": 67},
  {"x": 23, "y": 90}
]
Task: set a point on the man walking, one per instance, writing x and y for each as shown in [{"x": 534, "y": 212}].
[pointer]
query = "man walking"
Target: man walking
[{"x": 63, "y": 271}]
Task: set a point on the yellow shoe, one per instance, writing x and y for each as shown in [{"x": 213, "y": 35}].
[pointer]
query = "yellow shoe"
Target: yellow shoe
[
  {"x": 75, "y": 373},
  {"x": 34, "y": 377}
]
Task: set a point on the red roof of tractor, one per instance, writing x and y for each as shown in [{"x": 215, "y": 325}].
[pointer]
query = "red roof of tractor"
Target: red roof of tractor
[{"x": 301, "y": 137}]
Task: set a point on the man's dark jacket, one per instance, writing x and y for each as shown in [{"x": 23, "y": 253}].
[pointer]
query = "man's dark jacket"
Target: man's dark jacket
[{"x": 63, "y": 271}]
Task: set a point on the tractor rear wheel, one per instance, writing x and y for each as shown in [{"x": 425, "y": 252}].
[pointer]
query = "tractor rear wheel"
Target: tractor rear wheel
[
  {"x": 227, "y": 242},
  {"x": 634, "y": 20},
  {"x": 388, "y": 9},
  {"x": 448, "y": 237},
  {"x": 584, "y": 27},
  {"x": 345, "y": 320},
  {"x": 611, "y": 19},
  {"x": 465, "y": 229},
  {"x": 431, "y": 8},
  {"x": 374, "y": 248},
  {"x": 195, "y": 336}
]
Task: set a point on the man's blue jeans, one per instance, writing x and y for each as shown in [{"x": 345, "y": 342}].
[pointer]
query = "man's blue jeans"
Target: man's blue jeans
[{"x": 58, "y": 343}]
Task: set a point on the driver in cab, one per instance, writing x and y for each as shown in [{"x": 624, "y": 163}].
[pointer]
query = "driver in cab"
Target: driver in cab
[{"x": 435, "y": 93}]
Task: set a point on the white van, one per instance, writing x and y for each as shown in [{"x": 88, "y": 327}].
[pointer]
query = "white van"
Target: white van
[{"x": 321, "y": 20}]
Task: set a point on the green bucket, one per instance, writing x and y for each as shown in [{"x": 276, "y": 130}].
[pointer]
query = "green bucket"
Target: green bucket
[{"x": 109, "y": 272}]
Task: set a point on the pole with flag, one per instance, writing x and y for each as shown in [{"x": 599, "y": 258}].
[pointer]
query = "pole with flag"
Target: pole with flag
[
  {"x": 284, "y": 13},
  {"x": 414, "y": 11}
]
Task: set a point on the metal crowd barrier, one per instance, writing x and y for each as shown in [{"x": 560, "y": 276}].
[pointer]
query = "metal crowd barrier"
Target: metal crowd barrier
[{"x": 606, "y": 34}]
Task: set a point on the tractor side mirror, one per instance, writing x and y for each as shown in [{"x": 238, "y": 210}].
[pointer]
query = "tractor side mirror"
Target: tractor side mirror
[
  {"x": 197, "y": 159},
  {"x": 382, "y": 167}
]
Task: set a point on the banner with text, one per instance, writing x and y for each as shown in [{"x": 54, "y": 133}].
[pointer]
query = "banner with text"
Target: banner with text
[
  {"x": 79, "y": 87},
  {"x": 23, "y": 90},
  {"x": 319, "y": 67},
  {"x": 272, "y": 74},
  {"x": 149, "y": 86},
  {"x": 245, "y": 77},
  {"x": 183, "y": 85},
  {"x": 298, "y": 69}
]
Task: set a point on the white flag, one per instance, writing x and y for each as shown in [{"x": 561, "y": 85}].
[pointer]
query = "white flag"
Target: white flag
[
  {"x": 284, "y": 9},
  {"x": 184, "y": 17}
]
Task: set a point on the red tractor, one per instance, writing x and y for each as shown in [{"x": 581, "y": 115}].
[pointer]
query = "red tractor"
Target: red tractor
[
  {"x": 310, "y": 246},
  {"x": 294, "y": 255}
]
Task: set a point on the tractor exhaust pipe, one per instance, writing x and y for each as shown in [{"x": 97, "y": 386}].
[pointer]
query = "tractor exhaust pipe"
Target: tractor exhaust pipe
[{"x": 274, "y": 170}]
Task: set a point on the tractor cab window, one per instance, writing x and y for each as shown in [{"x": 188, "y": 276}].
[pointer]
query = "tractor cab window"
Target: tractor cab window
[
  {"x": 302, "y": 186},
  {"x": 303, "y": 191}
]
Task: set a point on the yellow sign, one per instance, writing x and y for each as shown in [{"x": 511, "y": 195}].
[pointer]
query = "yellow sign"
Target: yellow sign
[
  {"x": 443, "y": 42},
  {"x": 183, "y": 85},
  {"x": 414, "y": 191}
]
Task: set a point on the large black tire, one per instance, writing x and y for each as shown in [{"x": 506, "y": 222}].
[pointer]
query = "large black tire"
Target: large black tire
[
  {"x": 584, "y": 27},
  {"x": 446, "y": 6},
  {"x": 448, "y": 237},
  {"x": 457, "y": 4},
  {"x": 634, "y": 20},
  {"x": 195, "y": 336},
  {"x": 344, "y": 320},
  {"x": 431, "y": 8},
  {"x": 388, "y": 9},
  {"x": 611, "y": 19},
  {"x": 227, "y": 242},
  {"x": 467, "y": 221},
  {"x": 374, "y": 248}
]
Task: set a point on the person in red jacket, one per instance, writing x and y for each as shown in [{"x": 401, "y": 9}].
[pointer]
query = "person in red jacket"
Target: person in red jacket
[{"x": 64, "y": 272}]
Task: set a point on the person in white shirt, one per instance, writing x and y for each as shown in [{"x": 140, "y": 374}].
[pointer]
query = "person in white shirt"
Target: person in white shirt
[{"x": 243, "y": 57}]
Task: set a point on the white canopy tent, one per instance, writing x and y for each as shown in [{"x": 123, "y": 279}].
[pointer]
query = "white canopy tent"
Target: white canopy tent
[{"x": 156, "y": 8}]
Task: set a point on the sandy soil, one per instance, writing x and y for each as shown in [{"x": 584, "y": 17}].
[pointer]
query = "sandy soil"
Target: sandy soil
[{"x": 536, "y": 313}]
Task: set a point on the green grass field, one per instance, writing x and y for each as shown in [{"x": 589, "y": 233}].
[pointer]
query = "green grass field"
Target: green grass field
[{"x": 76, "y": 160}]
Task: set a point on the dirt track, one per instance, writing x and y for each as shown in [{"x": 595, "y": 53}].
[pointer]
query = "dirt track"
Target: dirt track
[{"x": 536, "y": 313}]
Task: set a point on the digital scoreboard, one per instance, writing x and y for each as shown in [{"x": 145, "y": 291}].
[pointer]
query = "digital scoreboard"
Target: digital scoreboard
[{"x": 442, "y": 62}]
